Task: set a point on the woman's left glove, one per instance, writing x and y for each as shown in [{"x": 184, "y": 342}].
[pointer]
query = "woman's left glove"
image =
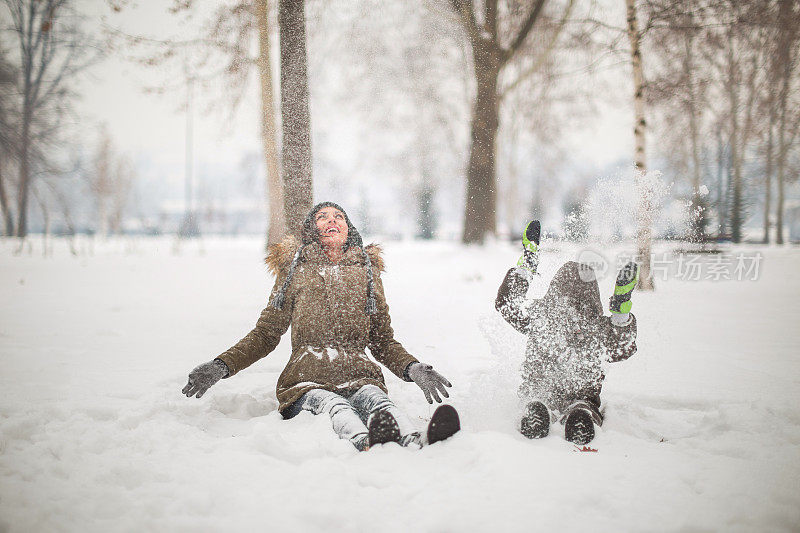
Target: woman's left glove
[
  {"x": 203, "y": 376},
  {"x": 429, "y": 380}
]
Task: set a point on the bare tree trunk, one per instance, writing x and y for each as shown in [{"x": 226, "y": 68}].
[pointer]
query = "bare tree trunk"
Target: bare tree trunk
[
  {"x": 779, "y": 204},
  {"x": 274, "y": 183},
  {"x": 102, "y": 217},
  {"x": 489, "y": 58},
  {"x": 511, "y": 197},
  {"x": 8, "y": 218},
  {"x": 745, "y": 134},
  {"x": 733, "y": 102},
  {"x": 24, "y": 177},
  {"x": 644, "y": 215},
  {"x": 295, "y": 115},
  {"x": 70, "y": 227},
  {"x": 693, "y": 129},
  {"x": 64, "y": 204},
  {"x": 46, "y": 216},
  {"x": 698, "y": 204},
  {"x": 788, "y": 32},
  {"x": 424, "y": 191},
  {"x": 722, "y": 211},
  {"x": 768, "y": 176},
  {"x": 781, "y": 174},
  {"x": 27, "y": 40},
  {"x": 481, "y": 205},
  {"x": 117, "y": 212}
]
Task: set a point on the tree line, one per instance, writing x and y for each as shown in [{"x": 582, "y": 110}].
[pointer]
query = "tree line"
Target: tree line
[{"x": 724, "y": 91}]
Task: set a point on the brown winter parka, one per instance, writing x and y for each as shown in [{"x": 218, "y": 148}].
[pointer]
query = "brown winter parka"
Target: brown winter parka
[{"x": 330, "y": 331}]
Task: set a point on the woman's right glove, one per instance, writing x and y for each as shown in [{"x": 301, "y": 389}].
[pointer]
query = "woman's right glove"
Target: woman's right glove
[
  {"x": 203, "y": 376},
  {"x": 429, "y": 380}
]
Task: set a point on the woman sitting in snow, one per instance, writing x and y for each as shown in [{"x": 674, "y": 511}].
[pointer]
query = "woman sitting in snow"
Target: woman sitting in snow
[
  {"x": 329, "y": 289},
  {"x": 568, "y": 337}
]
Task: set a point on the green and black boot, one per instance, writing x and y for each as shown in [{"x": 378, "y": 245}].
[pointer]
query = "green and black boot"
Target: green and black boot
[
  {"x": 530, "y": 247},
  {"x": 620, "y": 304}
]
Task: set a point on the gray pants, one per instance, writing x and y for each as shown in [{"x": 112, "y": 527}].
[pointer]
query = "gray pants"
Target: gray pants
[{"x": 350, "y": 412}]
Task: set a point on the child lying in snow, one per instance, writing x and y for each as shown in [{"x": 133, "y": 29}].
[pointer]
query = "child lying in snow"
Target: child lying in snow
[
  {"x": 568, "y": 337},
  {"x": 328, "y": 287}
]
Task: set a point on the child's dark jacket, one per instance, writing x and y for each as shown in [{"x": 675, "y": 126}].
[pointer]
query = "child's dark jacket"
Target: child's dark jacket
[{"x": 568, "y": 335}]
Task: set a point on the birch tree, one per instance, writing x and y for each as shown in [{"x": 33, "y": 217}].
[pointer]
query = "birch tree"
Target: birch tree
[{"x": 644, "y": 214}]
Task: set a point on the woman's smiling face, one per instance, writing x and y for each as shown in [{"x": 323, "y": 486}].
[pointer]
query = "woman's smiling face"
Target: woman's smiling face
[{"x": 332, "y": 227}]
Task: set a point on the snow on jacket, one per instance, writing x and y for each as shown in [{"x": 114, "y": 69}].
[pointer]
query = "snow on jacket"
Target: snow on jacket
[
  {"x": 330, "y": 330},
  {"x": 568, "y": 335}
]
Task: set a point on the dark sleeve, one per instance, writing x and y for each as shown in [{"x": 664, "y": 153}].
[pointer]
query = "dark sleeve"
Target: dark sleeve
[
  {"x": 264, "y": 337},
  {"x": 510, "y": 301},
  {"x": 382, "y": 344},
  {"x": 619, "y": 341}
]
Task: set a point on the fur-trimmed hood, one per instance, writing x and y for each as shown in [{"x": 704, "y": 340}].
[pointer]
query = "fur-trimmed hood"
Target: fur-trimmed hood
[{"x": 280, "y": 255}]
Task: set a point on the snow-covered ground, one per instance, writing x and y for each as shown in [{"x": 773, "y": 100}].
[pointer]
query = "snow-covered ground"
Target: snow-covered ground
[{"x": 702, "y": 430}]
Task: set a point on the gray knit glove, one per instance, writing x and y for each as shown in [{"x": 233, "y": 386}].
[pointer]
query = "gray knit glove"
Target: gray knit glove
[
  {"x": 429, "y": 380},
  {"x": 203, "y": 376}
]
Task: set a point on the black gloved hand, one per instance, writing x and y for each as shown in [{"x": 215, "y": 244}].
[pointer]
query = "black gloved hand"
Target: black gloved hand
[
  {"x": 430, "y": 381},
  {"x": 203, "y": 376}
]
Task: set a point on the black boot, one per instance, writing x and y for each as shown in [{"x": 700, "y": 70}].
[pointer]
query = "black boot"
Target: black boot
[
  {"x": 444, "y": 424},
  {"x": 536, "y": 422},
  {"x": 579, "y": 427},
  {"x": 383, "y": 428}
]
